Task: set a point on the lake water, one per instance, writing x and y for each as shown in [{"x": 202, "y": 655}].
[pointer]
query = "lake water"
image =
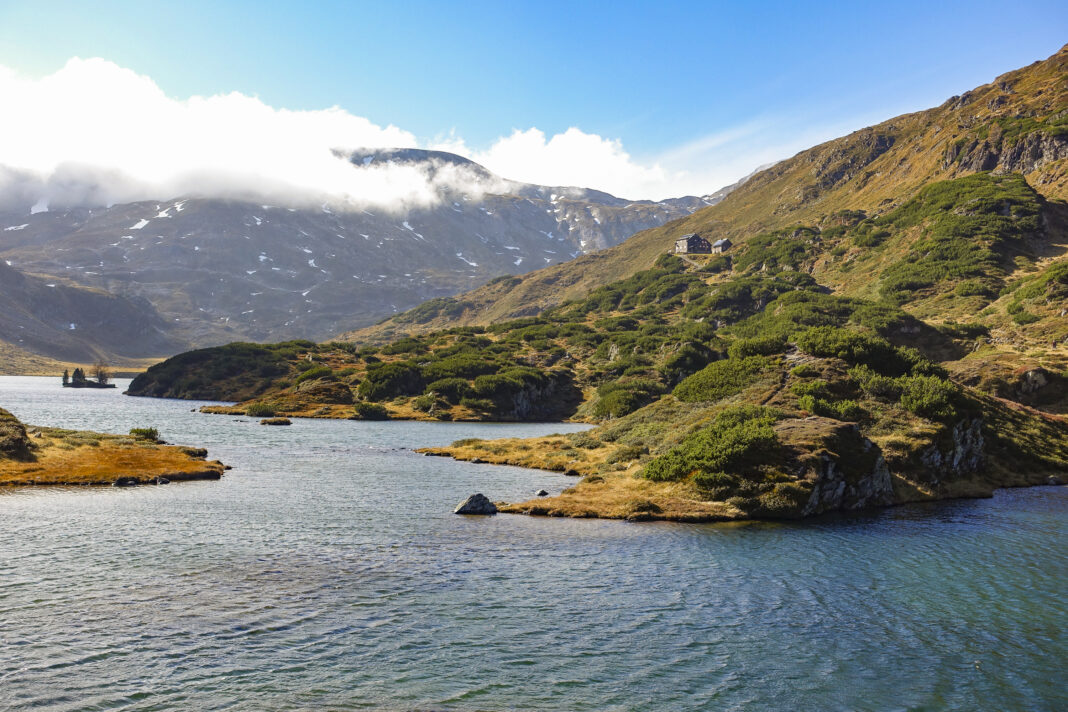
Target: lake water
[{"x": 326, "y": 572}]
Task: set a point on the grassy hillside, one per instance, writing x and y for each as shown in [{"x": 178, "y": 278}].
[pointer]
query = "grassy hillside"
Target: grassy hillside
[
  {"x": 889, "y": 327},
  {"x": 1016, "y": 124}
]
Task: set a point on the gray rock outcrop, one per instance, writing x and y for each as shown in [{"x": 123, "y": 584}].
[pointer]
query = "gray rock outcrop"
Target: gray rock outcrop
[{"x": 476, "y": 504}]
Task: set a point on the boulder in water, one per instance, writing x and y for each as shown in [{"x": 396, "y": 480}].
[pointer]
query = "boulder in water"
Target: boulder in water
[{"x": 476, "y": 504}]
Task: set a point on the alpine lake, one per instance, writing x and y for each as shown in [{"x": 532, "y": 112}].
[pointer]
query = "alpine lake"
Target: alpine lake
[{"x": 326, "y": 571}]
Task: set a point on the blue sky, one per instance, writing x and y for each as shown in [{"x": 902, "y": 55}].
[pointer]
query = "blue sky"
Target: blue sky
[{"x": 701, "y": 91}]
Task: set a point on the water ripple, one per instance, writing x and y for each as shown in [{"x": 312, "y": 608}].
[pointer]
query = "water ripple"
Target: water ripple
[{"x": 326, "y": 572}]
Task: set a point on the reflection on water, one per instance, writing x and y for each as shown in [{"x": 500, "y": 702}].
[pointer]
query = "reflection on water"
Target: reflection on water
[{"x": 325, "y": 571}]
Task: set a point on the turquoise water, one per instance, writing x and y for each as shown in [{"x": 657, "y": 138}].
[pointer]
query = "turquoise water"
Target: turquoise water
[{"x": 325, "y": 571}]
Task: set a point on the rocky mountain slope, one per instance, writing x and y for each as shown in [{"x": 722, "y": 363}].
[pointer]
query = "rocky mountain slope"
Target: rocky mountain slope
[
  {"x": 55, "y": 319},
  {"x": 1017, "y": 123},
  {"x": 219, "y": 270}
]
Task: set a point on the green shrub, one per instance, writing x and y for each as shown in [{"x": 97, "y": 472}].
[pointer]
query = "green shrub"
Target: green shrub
[
  {"x": 718, "y": 482},
  {"x": 619, "y": 398},
  {"x": 451, "y": 389},
  {"x": 721, "y": 379},
  {"x": 626, "y": 453},
  {"x": 260, "y": 410},
  {"x": 462, "y": 365},
  {"x": 149, "y": 434},
  {"x": 584, "y": 441},
  {"x": 1024, "y": 317},
  {"x": 854, "y": 347},
  {"x": 315, "y": 372},
  {"x": 482, "y": 405},
  {"x": 737, "y": 441},
  {"x": 929, "y": 396},
  {"x": 363, "y": 410},
  {"x": 804, "y": 370},
  {"x": 757, "y": 346},
  {"x": 388, "y": 380}
]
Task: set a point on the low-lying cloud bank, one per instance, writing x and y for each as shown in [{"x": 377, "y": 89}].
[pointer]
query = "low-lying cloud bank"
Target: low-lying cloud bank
[{"x": 95, "y": 133}]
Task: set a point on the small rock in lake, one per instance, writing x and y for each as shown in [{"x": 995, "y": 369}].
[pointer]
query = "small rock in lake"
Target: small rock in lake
[
  {"x": 476, "y": 504},
  {"x": 541, "y": 493},
  {"x": 125, "y": 482},
  {"x": 1054, "y": 480},
  {"x": 161, "y": 481}
]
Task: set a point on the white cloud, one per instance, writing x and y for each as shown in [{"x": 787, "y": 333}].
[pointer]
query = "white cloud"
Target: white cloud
[
  {"x": 572, "y": 158},
  {"x": 94, "y": 129},
  {"x": 95, "y": 132}
]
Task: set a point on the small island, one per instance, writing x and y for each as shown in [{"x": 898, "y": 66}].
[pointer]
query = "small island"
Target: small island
[
  {"x": 101, "y": 377},
  {"x": 36, "y": 456}
]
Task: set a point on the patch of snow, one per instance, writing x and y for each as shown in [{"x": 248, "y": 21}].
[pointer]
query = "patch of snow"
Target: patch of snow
[
  {"x": 73, "y": 326},
  {"x": 311, "y": 263},
  {"x": 461, "y": 256},
  {"x": 263, "y": 257},
  {"x": 17, "y": 227},
  {"x": 519, "y": 261},
  {"x": 412, "y": 230},
  {"x": 306, "y": 250},
  {"x": 140, "y": 224},
  {"x": 41, "y": 206},
  {"x": 163, "y": 213},
  {"x": 258, "y": 219},
  {"x": 250, "y": 271},
  {"x": 510, "y": 247},
  {"x": 366, "y": 237},
  {"x": 50, "y": 285},
  {"x": 179, "y": 206}
]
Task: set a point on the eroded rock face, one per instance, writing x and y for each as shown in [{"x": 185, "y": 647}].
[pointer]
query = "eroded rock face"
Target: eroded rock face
[
  {"x": 958, "y": 455},
  {"x": 476, "y": 504},
  {"x": 1026, "y": 155},
  {"x": 846, "y": 470}
]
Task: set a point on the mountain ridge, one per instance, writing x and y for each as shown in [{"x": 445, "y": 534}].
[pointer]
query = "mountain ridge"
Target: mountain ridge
[{"x": 221, "y": 270}]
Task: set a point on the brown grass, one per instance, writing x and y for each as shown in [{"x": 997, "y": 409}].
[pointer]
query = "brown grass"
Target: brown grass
[
  {"x": 624, "y": 496},
  {"x": 70, "y": 457}
]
